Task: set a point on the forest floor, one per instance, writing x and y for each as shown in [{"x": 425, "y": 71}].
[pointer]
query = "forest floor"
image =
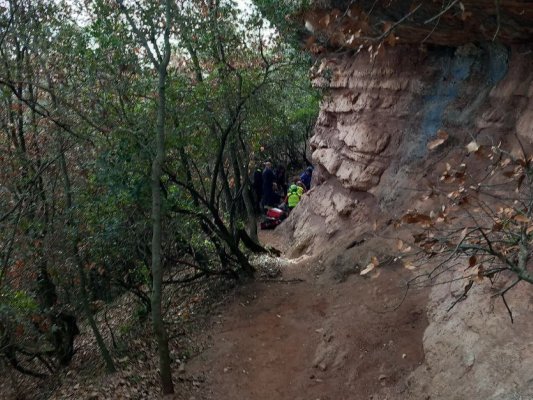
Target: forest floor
[{"x": 306, "y": 336}]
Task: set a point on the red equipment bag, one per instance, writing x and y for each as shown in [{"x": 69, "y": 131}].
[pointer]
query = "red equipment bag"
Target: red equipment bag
[{"x": 275, "y": 213}]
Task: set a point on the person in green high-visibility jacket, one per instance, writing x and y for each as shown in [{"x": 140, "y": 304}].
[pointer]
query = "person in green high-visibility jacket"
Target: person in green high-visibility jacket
[
  {"x": 293, "y": 197},
  {"x": 301, "y": 188}
]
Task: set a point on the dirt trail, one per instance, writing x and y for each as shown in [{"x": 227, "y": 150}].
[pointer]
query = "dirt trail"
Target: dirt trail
[{"x": 313, "y": 339}]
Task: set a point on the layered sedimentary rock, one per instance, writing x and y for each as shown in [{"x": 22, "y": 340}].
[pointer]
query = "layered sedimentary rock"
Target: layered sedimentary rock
[
  {"x": 381, "y": 113},
  {"x": 395, "y": 72}
]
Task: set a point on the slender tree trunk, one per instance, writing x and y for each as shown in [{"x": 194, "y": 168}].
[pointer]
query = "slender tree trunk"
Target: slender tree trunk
[
  {"x": 251, "y": 223},
  {"x": 157, "y": 272},
  {"x": 109, "y": 364},
  {"x": 160, "y": 61}
]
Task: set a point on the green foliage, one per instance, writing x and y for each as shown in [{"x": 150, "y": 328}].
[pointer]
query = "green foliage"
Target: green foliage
[
  {"x": 17, "y": 301},
  {"x": 86, "y": 94}
]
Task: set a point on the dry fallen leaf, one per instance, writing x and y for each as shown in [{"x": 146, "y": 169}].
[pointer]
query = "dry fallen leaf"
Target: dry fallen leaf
[
  {"x": 479, "y": 274},
  {"x": 505, "y": 162},
  {"x": 521, "y": 218},
  {"x": 465, "y": 15},
  {"x": 442, "y": 136},
  {"x": 472, "y": 146},
  {"x": 399, "y": 244},
  {"x": 414, "y": 218},
  {"x": 409, "y": 265},
  {"x": 392, "y": 39},
  {"x": 324, "y": 21},
  {"x": 368, "y": 268}
]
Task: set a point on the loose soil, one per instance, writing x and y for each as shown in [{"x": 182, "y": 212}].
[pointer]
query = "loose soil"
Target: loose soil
[{"x": 306, "y": 336}]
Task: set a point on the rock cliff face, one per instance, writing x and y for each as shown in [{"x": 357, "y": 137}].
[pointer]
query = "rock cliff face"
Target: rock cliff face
[{"x": 378, "y": 115}]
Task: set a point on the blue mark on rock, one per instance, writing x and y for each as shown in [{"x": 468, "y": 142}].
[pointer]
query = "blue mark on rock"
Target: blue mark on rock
[
  {"x": 498, "y": 63},
  {"x": 454, "y": 70}
]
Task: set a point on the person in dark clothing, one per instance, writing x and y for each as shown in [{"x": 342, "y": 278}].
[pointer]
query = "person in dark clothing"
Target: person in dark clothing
[
  {"x": 281, "y": 179},
  {"x": 268, "y": 180},
  {"x": 258, "y": 188},
  {"x": 277, "y": 195},
  {"x": 306, "y": 177}
]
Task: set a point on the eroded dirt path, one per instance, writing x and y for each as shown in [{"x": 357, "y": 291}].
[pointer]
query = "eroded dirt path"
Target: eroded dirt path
[{"x": 313, "y": 339}]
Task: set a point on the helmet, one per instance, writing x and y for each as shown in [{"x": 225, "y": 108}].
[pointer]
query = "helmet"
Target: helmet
[
  {"x": 293, "y": 188},
  {"x": 310, "y": 169}
]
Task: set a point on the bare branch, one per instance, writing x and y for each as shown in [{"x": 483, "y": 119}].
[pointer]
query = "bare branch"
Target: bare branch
[
  {"x": 140, "y": 35},
  {"x": 498, "y": 22},
  {"x": 444, "y": 11}
]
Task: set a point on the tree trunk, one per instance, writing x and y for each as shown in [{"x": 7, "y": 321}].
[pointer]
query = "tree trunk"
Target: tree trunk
[
  {"x": 109, "y": 364},
  {"x": 160, "y": 61},
  {"x": 251, "y": 223},
  {"x": 157, "y": 272}
]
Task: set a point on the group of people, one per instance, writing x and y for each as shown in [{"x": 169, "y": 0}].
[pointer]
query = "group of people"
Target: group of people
[{"x": 272, "y": 190}]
